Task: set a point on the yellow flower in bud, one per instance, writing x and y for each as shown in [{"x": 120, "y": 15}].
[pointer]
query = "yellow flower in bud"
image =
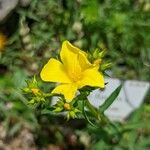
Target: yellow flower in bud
[
  {"x": 2, "y": 41},
  {"x": 67, "y": 106},
  {"x": 97, "y": 61},
  {"x": 35, "y": 90},
  {"x": 73, "y": 72}
]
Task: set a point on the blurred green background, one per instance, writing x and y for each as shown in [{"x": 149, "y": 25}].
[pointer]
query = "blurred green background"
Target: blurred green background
[{"x": 34, "y": 33}]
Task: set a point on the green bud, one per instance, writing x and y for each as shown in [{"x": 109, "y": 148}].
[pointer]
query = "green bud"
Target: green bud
[
  {"x": 72, "y": 114},
  {"x": 33, "y": 83},
  {"x": 58, "y": 109},
  {"x": 60, "y": 103},
  {"x": 76, "y": 110},
  {"x": 102, "y": 54},
  {"x": 26, "y": 90},
  {"x": 95, "y": 53},
  {"x": 105, "y": 66},
  {"x": 98, "y": 54},
  {"x": 32, "y": 101}
]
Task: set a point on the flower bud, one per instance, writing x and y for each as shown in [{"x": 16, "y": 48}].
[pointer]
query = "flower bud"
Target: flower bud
[
  {"x": 67, "y": 106},
  {"x": 97, "y": 61},
  {"x": 58, "y": 109},
  {"x": 72, "y": 114},
  {"x": 105, "y": 66},
  {"x": 35, "y": 90}
]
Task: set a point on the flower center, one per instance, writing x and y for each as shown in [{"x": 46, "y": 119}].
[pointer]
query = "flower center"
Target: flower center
[{"x": 75, "y": 75}]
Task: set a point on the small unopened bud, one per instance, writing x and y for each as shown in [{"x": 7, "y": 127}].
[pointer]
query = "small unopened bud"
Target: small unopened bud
[
  {"x": 35, "y": 91},
  {"x": 72, "y": 114},
  {"x": 26, "y": 90},
  {"x": 67, "y": 106},
  {"x": 58, "y": 109},
  {"x": 97, "y": 61},
  {"x": 106, "y": 66},
  {"x": 102, "y": 54}
]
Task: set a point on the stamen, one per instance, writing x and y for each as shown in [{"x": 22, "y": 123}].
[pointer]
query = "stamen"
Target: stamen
[{"x": 75, "y": 76}]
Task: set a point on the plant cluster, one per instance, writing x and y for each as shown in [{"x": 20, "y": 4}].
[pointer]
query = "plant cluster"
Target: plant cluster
[{"x": 33, "y": 34}]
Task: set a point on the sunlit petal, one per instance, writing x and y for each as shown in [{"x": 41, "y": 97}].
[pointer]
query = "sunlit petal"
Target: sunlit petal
[
  {"x": 92, "y": 77},
  {"x": 73, "y": 57},
  {"x": 68, "y": 90},
  {"x": 54, "y": 71}
]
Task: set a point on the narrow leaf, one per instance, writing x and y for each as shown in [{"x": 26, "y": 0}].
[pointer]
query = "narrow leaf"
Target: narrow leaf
[{"x": 110, "y": 99}]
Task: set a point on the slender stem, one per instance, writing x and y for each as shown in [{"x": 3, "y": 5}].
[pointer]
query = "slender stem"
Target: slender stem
[
  {"x": 92, "y": 109},
  {"x": 103, "y": 120},
  {"x": 47, "y": 94},
  {"x": 98, "y": 115}
]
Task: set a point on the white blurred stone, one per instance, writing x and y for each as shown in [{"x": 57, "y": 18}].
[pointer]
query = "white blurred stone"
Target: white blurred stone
[
  {"x": 25, "y": 2},
  {"x": 130, "y": 98},
  {"x": 6, "y": 6}
]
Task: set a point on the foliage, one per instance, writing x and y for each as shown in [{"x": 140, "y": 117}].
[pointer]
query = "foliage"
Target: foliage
[
  {"x": 33, "y": 34},
  {"x": 119, "y": 26}
]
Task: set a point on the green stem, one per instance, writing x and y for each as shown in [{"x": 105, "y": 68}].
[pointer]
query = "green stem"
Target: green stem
[
  {"x": 47, "y": 94},
  {"x": 98, "y": 115},
  {"x": 92, "y": 109},
  {"x": 102, "y": 119}
]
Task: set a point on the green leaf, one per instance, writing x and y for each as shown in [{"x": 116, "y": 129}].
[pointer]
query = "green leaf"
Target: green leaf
[
  {"x": 100, "y": 145},
  {"x": 47, "y": 111},
  {"x": 110, "y": 99}
]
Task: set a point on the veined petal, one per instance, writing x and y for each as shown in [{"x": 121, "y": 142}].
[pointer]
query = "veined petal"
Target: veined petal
[
  {"x": 73, "y": 57},
  {"x": 54, "y": 71},
  {"x": 68, "y": 90},
  {"x": 92, "y": 77}
]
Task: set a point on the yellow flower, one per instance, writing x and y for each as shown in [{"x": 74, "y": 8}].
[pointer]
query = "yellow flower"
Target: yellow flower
[
  {"x": 2, "y": 41},
  {"x": 73, "y": 72}
]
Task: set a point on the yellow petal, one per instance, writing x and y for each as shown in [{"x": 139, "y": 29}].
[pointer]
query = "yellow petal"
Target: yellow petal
[
  {"x": 92, "y": 77},
  {"x": 72, "y": 57},
  {"x": 68, "y": 90},
  {"x": 54, "y": 71}
]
